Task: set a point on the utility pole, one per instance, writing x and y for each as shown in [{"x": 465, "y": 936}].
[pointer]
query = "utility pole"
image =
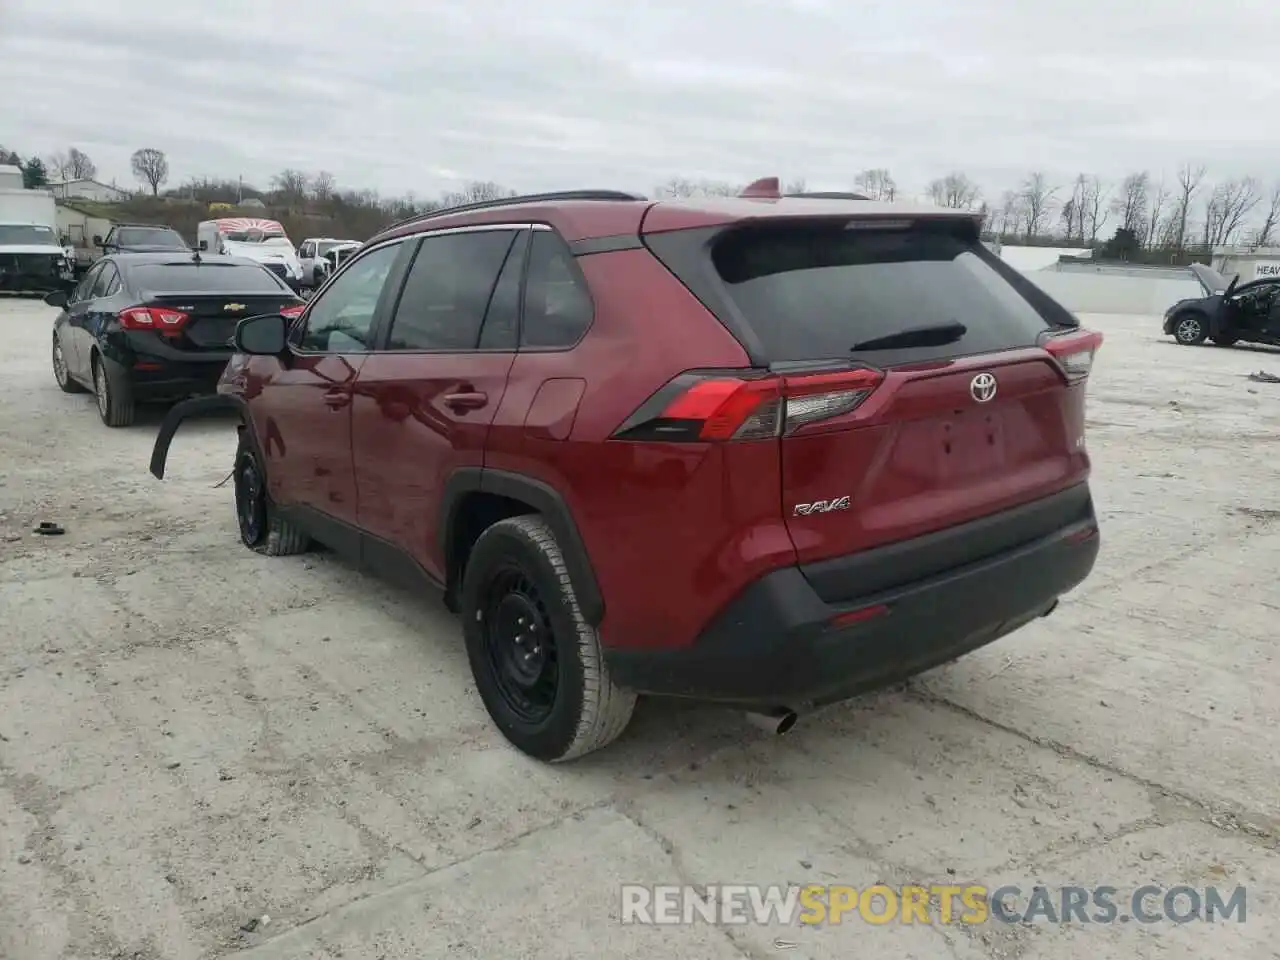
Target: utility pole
[{"x": 240, "y": 190}]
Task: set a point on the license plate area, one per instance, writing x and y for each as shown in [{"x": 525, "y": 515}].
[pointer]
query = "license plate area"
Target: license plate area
[
  {"x": 970, "y": 445},
  {"x": 212, "y": 331}
]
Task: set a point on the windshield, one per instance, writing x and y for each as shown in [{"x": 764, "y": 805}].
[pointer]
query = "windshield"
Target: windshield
[
  {"x": 324, "y": 246},
  {"x": 274, "y": 237},
  {"x": 161, "y": 278},
  {"x": 150, "y": 237},
  {"x": 12, "y": 233}
]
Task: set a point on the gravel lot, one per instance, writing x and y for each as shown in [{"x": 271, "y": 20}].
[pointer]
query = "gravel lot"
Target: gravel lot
[{"x": 193, "y": 737}]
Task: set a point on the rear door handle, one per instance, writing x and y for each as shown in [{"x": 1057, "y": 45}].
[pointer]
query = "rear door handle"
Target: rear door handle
[
  {"x": 466, "y": 401},
  {"x": 337, "y": 399}
]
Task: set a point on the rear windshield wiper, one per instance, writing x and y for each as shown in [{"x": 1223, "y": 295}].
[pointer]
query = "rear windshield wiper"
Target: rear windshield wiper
[{"x": 938, "y": 335}]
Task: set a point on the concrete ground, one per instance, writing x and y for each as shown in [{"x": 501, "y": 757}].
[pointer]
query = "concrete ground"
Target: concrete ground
[{"x": 208, "y": 753}]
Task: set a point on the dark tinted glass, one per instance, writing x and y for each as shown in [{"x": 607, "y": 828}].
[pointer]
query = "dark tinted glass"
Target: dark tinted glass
[
  {"x": 447, "y": 291},
  {"x": 149, "y": 236},
  {"x": 557, "y": 306},
  {"x": 502, "y": 322},
  {"x": 204, "y": 278},
  {"x": 105, "y": 281},
  {"x": 812, "y": 292}
]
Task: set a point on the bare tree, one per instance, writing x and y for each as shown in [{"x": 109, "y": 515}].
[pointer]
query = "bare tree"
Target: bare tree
[
  {"x": 877, "y": 184},
  {"x": 1189, "y": 180},
  {"x": 1269, "y": 224},
  {"x": 323, "y": 184},
  {"x": 1011, "y": 213},
  {"x": 797, "y": 185},
  {"x": 955, "y": 190},
  {"x": 1130, "y": 203},
  {"x": 677, "y": 188},
  {"x": 1037, "y": 201},
  {"x": 1158, "y": 199},
  {"x": 477, "y": 191},
  {"x": 1225, "y": 211},
  {"x": 1093, "y": 215},
  {"x": 1071, "y": 210},
  {"x": 290, "y": 186},
  {"x": 151, "y": 167},
  {"x": 79, "y": 166}
]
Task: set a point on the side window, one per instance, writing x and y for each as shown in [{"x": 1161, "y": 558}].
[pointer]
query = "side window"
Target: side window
[
  {"x": 557, "y": 305},
  {"x": 501, "y": 330},
  {"x": 447, "y": 291},
  {"x": 86, "y": 283},
  {"x": 340, "y": 318},
  {"x": 103, "y": 286},
  {"x": 308, "y": 249}
]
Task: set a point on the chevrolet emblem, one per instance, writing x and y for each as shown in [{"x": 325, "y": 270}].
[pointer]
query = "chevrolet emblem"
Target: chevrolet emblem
[{"x": 234, "y": 306}]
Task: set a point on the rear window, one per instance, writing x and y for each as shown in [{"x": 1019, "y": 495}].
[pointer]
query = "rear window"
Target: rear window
[
  {"x": 816, "y": 291},
  {"x": 205, "y": 278},
  {"x": 149, "y": 236}
]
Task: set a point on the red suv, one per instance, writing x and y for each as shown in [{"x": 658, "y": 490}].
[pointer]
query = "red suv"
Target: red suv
[{"x": 764, "y": 451}]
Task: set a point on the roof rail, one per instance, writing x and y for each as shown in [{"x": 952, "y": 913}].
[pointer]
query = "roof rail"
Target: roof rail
[
  {"x": 522, "y": 198},
  {"x": 830, "y": 195}
]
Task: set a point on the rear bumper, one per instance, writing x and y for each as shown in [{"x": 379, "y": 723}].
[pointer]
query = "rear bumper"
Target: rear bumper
[
  {"x": 160, "y": 372},
  {"x": 779, "y": 644}
]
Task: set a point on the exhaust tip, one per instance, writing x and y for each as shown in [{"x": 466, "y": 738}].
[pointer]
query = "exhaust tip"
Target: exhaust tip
[{"x": 775, "y": 722}]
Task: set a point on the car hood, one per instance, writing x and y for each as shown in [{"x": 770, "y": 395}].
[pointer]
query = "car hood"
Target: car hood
[
  {"x": 263, "y": 254},
  {"x": 33, "y": 248}
]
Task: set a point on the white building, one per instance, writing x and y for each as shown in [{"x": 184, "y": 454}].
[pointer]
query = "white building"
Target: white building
[{"x": 88, "y": 190}]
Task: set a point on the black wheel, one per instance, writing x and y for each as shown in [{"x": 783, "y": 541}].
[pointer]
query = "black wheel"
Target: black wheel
[
  {"x": 1190, "y": 329},
  {"x": 537, "y": 664},
  {"x": 114, "y": 393},
  {"x": 61, "y": 372},
  {"x": 261, "y": 529}
]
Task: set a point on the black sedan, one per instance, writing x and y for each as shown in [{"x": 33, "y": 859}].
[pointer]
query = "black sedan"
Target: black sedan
[
  {"x": 155, "y": 327},
  {"x": 1228, "y": 313}
]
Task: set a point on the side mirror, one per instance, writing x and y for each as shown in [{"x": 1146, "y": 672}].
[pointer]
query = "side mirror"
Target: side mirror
[
  {"x": 264, "y": 336},
  {"x": 204, "y": 244},
  {"x": 97, "y": 239},
  {"x": 58, "y": 298}
]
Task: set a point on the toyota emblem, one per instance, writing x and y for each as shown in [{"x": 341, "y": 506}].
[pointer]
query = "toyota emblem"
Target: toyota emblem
[{"x": 983, "y": 387}]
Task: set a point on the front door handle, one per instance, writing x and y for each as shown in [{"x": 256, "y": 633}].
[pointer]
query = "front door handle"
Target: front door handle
[
  {"x": 466, "y": 401},
  {"x": 337, "y": 399}
]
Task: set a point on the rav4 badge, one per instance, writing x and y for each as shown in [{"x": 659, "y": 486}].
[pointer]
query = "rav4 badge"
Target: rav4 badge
[{"x": 821, "y": 506}]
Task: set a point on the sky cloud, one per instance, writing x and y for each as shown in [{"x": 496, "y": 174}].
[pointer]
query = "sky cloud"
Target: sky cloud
[{"x": 418, "y": 95}]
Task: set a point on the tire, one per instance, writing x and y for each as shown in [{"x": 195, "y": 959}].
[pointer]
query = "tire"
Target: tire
[
  {"x": 570, "y": 706},
  {"x": 1190, "y": 329},
  {"x": 261, "y": 528},
  {"x": 114, "y": 394},
  {"x": 61, "y": 373}
]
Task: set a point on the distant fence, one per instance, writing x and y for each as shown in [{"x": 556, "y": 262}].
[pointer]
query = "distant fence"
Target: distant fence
[{"x": 1108, "y": 293}]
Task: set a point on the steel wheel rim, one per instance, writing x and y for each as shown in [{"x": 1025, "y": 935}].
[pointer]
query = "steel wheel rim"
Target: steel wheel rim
[
  {"x": 1189, "y": 328},
  {"x": 250, "y": 501},
  {"x": 59, "y": 362},
  {"x": 100, "y": 389},
  {"x": 520, "y": 646}
]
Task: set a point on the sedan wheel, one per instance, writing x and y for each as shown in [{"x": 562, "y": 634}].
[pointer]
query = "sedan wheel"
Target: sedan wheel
[
  {"x": 61, "y": 372},
  {"x": 1190, "y": 330}
]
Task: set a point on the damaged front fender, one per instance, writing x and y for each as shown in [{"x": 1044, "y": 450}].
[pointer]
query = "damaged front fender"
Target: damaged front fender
[{"x": 195, "y": 407}]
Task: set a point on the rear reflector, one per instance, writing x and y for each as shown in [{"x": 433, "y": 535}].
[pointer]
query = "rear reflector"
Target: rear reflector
[
  {"x": 710, "y": 407},
  {"x": 1074, "y": 351},
  {"x": 153, "y": 318},
  {"x": 857, "y": 616},
  {"x": 293, "y": 312}
]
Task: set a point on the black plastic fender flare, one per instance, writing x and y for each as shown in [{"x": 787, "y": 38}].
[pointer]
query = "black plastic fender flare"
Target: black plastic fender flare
[
  {"x": 195, "y": 407},
  {"x": 547, "y": 501}
]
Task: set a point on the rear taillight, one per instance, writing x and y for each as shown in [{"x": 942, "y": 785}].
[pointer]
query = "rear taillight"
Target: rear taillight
[
  {"x": 153, "y": 318},
  {"x": 293, "y": 312},
  {"x": 711, "y": 407},
  {"x": 1074, "y": 351}
]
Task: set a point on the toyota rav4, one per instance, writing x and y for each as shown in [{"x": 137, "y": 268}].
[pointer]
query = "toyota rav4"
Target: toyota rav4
[{"x": 765, "y": 451}]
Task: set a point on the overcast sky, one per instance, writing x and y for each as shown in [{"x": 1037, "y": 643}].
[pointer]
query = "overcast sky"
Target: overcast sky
[{"x": 418, "y": 95}]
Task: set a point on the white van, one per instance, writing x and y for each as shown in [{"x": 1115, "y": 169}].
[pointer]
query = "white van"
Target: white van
[{"x": 261, "y": 240}]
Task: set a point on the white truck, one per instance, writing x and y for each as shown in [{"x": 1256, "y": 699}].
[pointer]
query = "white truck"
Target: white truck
[
  {"x": 33, "y": 257},
  {"x": 312, "y": 253},
  {"x": 256, "y": 239}
]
